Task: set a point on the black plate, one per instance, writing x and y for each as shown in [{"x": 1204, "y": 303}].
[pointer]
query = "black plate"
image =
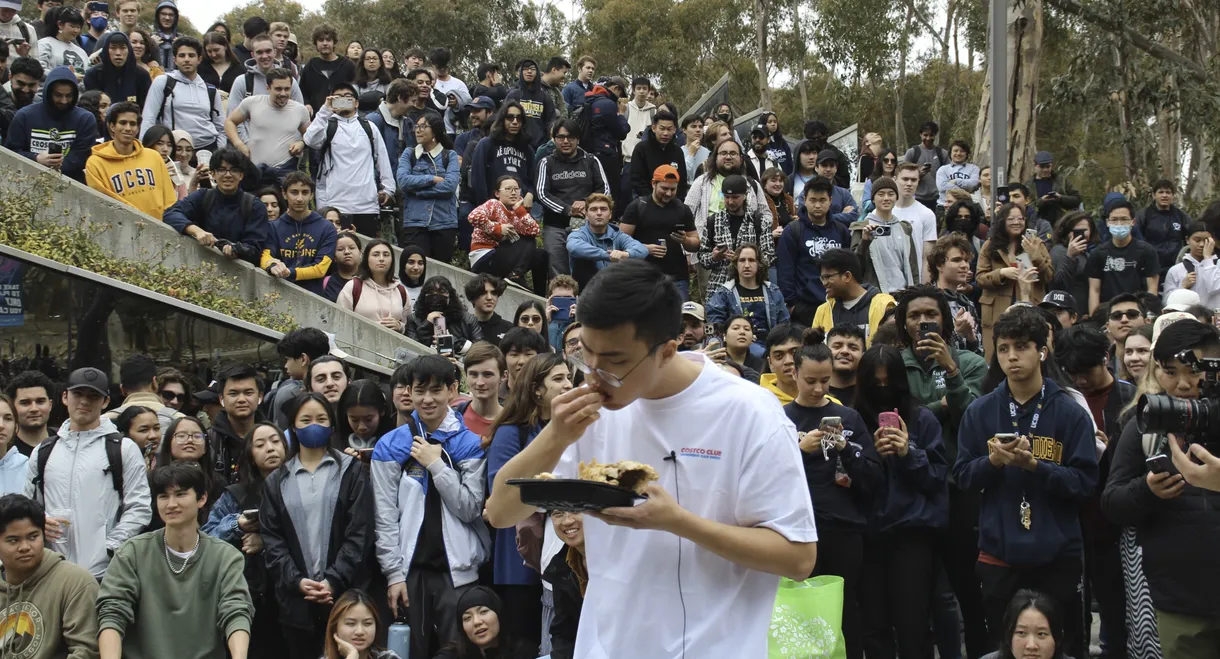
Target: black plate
[{"x": 573, "y": 495}]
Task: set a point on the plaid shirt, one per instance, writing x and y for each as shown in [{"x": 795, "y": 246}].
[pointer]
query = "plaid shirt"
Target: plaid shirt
[{"x": 719, "y": 233}]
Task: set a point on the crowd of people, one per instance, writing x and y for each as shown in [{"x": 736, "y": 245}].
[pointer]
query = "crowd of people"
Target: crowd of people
[{"x": 957, "y": 375}]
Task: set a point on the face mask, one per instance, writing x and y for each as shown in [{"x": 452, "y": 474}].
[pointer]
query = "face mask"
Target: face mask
[
  {"x": 437, "y": 302},
  {"x": 312, "y": 435},
  {"x": 723, "y": 117},
  {"x": 964, "y": 226},
  {"x": 99, "y": 23},
  {"x": 1120, "y": 232}
]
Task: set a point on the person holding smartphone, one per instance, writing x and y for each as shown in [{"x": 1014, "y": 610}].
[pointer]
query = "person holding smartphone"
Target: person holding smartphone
[
  {"x": 910, "y": 504},
  {"x": 1028, "y": 449},
  {"x": 843, "y": 470},
  {"x": 1075, "y": 236},
  {"x": 1198, "y": 269},
  {"x": 1006, "y": 254}
]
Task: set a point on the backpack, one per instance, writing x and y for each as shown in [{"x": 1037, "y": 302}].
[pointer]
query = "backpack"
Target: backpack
[
  {"x": 114, "y": 460},
  {"x": 332, "y": 127},
  {"x": 31, "y": 37},
  {"x": 582, "y": 116},
  {"x": 209, "y": 200},
  {"x": 170, "y": 83},
  {"x": 358, "y": 286}
]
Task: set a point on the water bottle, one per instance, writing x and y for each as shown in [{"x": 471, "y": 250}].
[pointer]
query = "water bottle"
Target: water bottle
[{"x": 399, "y": 639}]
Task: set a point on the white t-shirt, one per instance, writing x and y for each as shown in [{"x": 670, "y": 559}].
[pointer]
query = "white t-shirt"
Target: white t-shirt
[
  {"x": 737, "y": 462},
  {"x": 272, "y": 130},
  {"x": 923, "y": 229}
]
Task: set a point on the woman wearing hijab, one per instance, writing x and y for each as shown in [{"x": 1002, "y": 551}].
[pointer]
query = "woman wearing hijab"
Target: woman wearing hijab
[{"x": 118, "y": 74}]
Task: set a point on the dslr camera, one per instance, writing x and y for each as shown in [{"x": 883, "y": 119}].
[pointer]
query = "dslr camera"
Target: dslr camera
[{"x": 1198, "y": 421}]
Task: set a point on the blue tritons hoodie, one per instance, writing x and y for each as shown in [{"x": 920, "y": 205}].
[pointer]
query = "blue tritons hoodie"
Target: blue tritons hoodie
[
  {"x": 306, "y": 247},
  {"x": 37, "y": 126},
  {"x": 1066, "y": 475},
  {"x": 798, "y": 257}
]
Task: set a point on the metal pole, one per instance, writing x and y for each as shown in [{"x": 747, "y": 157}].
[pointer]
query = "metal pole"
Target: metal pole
[{"x": 997, "y": 59}]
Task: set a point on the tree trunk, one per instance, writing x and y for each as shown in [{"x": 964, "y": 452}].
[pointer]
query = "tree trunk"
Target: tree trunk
[
  {"x": 1023, "y": 45},
  {"x": 942, "y": 80},
  {"x": 800, "y": 62},
  {"x": 1124, "y": 111},
  {"x": 1199, "y": 189},
  {"x": 900, "y": 133},
  {"x": 760, "y": 42}
]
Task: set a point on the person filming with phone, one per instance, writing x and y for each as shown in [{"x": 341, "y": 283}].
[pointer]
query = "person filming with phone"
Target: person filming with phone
[
  {"x": 1011, "y": 253},
  {"x": 1028, "y": 448}
]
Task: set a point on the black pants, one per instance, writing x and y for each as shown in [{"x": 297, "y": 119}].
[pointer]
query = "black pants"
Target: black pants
[
  {"x": 266, "y": 634},
  {"x": 512, "y": 260},
  {"x": 612, "y": 165},
  {"x": 897, "y": 593},
  {"x": 840, "y": 553},
  {"x": 958, "y": 547},
  {"x": 803, "y": 312},
  {"x": 366, "y": 224},
  {"x": 1104, "y": 580},
  {"x": 305, "y": 642},
  {"x": 435, "y": 244},
  {"x": 522, "y": 615},
  {"x": 1058, "y": 580},
  {"x": 432, "y": 611}
]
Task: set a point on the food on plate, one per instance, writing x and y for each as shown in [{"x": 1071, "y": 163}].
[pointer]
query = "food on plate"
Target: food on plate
[
  {"x": 546, "y": 475},
  {"x": 626, "y": 474}
]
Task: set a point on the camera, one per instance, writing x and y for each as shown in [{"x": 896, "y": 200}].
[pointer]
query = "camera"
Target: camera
[
  {"x": 881, "y": 230},
  {"x": 1195, "y": 420}
]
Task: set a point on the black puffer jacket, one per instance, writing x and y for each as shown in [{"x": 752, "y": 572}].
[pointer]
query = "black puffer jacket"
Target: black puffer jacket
[
  {"x": 465, "y": 333},
  {"x": 349, "y": 553}
]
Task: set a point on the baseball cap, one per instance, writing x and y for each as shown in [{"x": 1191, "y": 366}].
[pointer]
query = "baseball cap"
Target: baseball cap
[
  {"x": 827, "y": 154},
  {"x": 665, "y": 173},
  {"x": 482, "y": 103},
  {"x": 1181, "y": 300},
  {"x": 209, "y": 396},
  {"x": 1059, "y": 300},
  {"x": 735, "y": 184},
  {"x": 89, "y": 378},
  {"x": 1165, "y": 320},
  {"x": 759, "y": 131},
  {"x": 693, "y": 309},
  {"x": 1043, "y": 158}
]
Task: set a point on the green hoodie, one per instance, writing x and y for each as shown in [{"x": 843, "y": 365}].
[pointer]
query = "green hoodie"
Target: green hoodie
[
  {"x": 930, "y": 386},
  {"x": 50, "y": 614},
  {"x": 185, "y": 616}
]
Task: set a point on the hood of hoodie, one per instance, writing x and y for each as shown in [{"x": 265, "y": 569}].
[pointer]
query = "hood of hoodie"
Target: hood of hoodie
[
  {"x": 106, "y": 151},
  {"x": 109, "y": 70},
  {"x": 50, "y": 560},
  {"x": 529, "y": 87},
  {"x": 162, "y": 5},
  {"x": 384, "y": 109},
  {"x": 107, "y": 427},
  {"x": 60, "y": 74}
]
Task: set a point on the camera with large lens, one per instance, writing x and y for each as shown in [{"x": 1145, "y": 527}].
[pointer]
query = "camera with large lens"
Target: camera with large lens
[{"x": 1197, "y": 421}]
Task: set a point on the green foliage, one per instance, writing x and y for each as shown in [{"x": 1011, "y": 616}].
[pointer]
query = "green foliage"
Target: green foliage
[
  {"x": 287, "y": 11},
  {"x": 25, "y": 225}
]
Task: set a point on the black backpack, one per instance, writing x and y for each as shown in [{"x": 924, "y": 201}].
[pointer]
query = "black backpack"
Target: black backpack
[
  {"x": 332, "y": 127},
  {"x": 170, "y": 83},
  {"x": 114, "y": 460},
  {"x": 582, "y": 116}
]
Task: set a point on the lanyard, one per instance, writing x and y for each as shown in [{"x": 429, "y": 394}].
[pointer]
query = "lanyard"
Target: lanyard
[{"x": 1033, "y": 424}]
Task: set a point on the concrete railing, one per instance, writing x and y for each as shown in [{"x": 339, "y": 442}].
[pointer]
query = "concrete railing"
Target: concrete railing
[{"x": 124, "y": 232}]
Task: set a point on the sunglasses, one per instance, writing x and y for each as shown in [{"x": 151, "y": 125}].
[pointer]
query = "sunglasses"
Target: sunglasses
[
  {"x": 170, "y": 396},
  {"x": 1131, "y": 314},
  {"x": 514, "y": 118}
]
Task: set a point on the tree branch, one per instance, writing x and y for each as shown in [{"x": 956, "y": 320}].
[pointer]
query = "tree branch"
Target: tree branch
[
  {"x": 1191, "y": 68},
  {"x": 925, "y": 22}
]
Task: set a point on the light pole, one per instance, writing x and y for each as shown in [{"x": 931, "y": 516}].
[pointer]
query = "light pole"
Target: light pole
[{"x": 997, "y": 59}]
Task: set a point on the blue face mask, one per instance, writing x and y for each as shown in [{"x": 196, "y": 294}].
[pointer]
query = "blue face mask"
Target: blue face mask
[
  {"x": 99, "y": 23},
  {"x": 313, "y": 435},
  {"x": 1120, "y": 232}
]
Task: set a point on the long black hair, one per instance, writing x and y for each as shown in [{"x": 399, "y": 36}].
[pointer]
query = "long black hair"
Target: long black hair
[
  {"x": 452, "y": 310},
  {"x": 437, "y": 123},
  {"x": 1022, "y": 602},
  {"x": 363, "y": 393},
  {"x": 154, "y": 135},
  {"x": 294, "y": 408},
  {"x": 778, "y": 135},
  {"x": 249, "y": 476},
  {"x": 868, "y": 403},
  {"x": 497, "y": 125},
  {"x": 165, "y": 455},
  {"x": 877, "y": 171},
  {"x": 507, "y": 646},
  {"x": 998, "y": 239},
  {"x": 381, "y": 76},
  {"x": 525, "y": 306}
]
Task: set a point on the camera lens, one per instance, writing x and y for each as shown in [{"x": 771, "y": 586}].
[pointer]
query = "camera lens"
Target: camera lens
[{"x": 1164, "y": 414}]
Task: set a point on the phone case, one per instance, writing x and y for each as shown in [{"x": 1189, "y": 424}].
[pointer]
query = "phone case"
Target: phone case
[{"x": 889, "y": 420}]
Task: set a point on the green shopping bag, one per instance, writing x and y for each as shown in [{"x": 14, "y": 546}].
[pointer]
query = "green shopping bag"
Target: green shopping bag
[{"x": 807, "y": 622}]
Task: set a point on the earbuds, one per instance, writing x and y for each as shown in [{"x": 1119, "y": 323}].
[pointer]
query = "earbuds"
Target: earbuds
[{"x": 1042, "y": 356}]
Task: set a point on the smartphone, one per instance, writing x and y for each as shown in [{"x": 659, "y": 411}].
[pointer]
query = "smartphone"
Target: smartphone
[
  {"x": 831, "y": 423},
  {"x": 1025, "y": 261},
  {"x": 55, "y": 149},
  {"x": 1001, "y": 194},
  {"x": 723, "y": 247},
  {"x": 444, "y": 344},
  {"x": 366, "y": 454},
  {"x": 889, "y": 420},
  {"x": 439, "y": 324},
  {"x": 343, "y": 103},
  {"x": 1031, "y": 233},
  {"x": 563, "y": 304},
  {"x": 713, "y": 343},
  {"x": 881, "y": 230},
  {"x": 1079, "y": 233},
  {"x": 1006, "y": 437},
  {"x": 928, "y": 328},
  {"x": 251, "y": 514},
  {"x": 1189, "y": 265},
  {"x": 1161, "y": 464}
]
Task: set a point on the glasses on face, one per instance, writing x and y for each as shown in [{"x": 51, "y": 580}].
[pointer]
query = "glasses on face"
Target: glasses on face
[
  {"x": 512, "y": 118},
  {"x": 826, "y": 279},
  {"x": 531, "y": 320},
  {"x": 572, "y": 343},
  {"x": 171, "y": 396},
  {"x": 226, "y": 171},
  {"x": 564, "y": 138},
  {"x": 1130, "y": 314},
  {"x": 607, "y": 377},
  {"x": 727, "y": 154},
  {"x": 189, "y": 437}
]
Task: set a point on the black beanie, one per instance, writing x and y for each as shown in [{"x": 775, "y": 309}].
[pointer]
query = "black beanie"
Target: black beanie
[{"x": 479, "y": 596}]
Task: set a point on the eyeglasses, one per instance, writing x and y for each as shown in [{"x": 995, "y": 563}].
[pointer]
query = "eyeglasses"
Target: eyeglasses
[
  {"x": 826, "y": 278},
  {"x": 607, "y": 377},
  {"x": 170, "y": 396},
  {"x": 564, "y": 138},
  {"x": 572, "y": 343},
  {"x": 728, "y": 154},
  {"x": 1131, "y": 314},
  {"x": 514, "y": 118},
  {"x": 225, "y": 171},
  {"x": 189, "y": 436}
]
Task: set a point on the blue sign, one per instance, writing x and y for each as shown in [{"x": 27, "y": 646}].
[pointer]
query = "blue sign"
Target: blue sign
[{"x": 12, "y": 305}]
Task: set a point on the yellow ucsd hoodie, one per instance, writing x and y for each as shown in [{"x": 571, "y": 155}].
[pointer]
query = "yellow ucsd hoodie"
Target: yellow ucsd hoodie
[{"x": 139, "y": 179}]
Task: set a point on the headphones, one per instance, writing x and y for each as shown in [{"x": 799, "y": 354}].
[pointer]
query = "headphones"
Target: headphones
[{"x": 1042, "y": 355}]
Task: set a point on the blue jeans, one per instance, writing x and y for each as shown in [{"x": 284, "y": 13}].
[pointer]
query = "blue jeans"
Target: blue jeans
[
  {"x": 757, "y": 350},
  {"x": 465, "y": 231},
  {"x": 683, "y": 289}
]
